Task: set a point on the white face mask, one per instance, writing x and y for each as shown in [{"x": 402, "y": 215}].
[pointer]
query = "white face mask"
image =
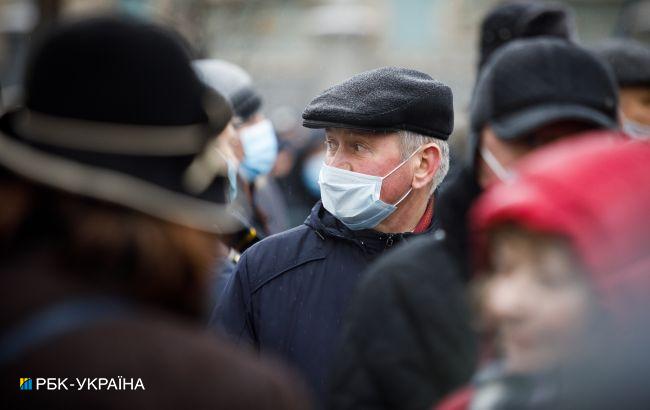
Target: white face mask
[
  {"x": 636, "y": 130},
  {"x": 493, "y": 163},
  {"x": 354, "y": 198}
]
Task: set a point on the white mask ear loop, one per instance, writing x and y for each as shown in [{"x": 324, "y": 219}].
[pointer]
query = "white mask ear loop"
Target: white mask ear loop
[
  {"x": 400, "y": 164},
  {"x": 403, "y": 197},
  {"x": 395, "y": 169},
  {"x": 499, "y": 170}
]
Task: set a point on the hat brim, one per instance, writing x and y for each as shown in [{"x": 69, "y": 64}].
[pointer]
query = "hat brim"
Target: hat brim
[
  {"x": 49, "y": 167},
  {"x": 313, "y": 124},
  {"x": 522, "y": 123}
]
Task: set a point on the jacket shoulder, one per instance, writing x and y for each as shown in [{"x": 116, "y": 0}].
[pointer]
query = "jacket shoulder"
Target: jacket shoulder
[{"x": 280, "y": 253}]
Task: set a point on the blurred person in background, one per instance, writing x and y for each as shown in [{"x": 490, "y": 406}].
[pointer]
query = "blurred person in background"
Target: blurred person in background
[
  {"x": 113, "y": 206},
  {"x": 630, "y": 61},
  {"x": 385, "y": 132},
  {"x": 257, "y": 155},
  {"x": 258, "y": 143},
  {"x": 301, "y": 184},
  {"x": 407, "y": 340},
  {"x": 513, "y": 20},
  {"x": 508, "y": 21},
  {"x": 561, "y": 277}
]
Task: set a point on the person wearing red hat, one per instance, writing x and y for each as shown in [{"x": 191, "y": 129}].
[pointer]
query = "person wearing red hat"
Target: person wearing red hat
[{"x": 562, "y": 258}]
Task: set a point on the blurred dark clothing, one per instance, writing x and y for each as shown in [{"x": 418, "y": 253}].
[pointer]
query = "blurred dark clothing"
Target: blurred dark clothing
[
  {"x": 615, "y": 374},
  {"x": 407, "y": 341},
  {"x": 269, "y": 200},
  {"x": 290, "y": 291},
  {"x": 607, "y": 373},
  {"x": 220, "y": 278},
  {"x": 268, "y": 217},
  {"x": 493, "y": 388},
  {"x": 180, "y": 365},
  {"x": 452, "y": 211}
]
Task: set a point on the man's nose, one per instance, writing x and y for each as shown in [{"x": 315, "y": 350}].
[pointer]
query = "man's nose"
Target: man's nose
[{"x": 339, "y": 160}]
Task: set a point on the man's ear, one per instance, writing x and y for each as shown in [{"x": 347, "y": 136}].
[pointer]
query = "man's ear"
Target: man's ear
[{"x": 426, "y": 168}]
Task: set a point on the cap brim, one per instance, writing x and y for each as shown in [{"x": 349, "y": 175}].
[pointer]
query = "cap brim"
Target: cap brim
[
  {"x": 524, "y": 122},
  {"x": 327, "y": 124},
  {"x": 373, "y": 129}
]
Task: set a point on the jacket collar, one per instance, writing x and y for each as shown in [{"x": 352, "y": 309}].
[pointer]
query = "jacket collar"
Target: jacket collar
[{"x": 327, "y": 226}]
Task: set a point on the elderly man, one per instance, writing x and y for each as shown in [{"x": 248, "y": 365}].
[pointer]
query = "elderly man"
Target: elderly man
[
  {"x": 407, "y": 340},
  {"x": 386, "y": 132}
]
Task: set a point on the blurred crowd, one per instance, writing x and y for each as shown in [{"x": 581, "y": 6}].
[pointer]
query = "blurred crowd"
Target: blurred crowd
[{"x": 157, "y": 225}]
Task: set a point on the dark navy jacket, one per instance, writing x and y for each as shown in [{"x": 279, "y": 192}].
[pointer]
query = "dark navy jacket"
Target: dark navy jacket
[{"x": 290, "y": 291}]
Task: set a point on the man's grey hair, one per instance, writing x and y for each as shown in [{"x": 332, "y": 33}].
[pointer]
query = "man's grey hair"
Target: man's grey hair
[{"x": 411, "y": 142}]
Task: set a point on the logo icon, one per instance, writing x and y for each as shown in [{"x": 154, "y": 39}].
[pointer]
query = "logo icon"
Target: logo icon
[{"x": 25, "y": 383}]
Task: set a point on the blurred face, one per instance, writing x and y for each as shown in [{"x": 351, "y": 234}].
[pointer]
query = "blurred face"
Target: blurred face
[
  {"x": 508, "y": 153},
  {"x": 635, "y": 104},
  {"x": 229, "y": 144},
  {"x": 371, "y": 154},
  {"x": 535, "y": 298}
]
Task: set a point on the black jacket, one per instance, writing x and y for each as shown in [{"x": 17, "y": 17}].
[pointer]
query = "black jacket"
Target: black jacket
[
  {"x": 452, "y": 212},
  {"x": 407, "y": 341},
  {"x": 290, "y": 291}
]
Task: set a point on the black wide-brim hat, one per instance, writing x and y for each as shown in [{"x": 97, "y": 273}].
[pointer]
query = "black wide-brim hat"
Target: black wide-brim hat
[{"x": 114, "y": 111}]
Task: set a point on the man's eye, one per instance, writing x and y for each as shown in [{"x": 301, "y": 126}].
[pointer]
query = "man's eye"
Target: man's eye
[
  {"x": 330, "y": 145},
  {"x": 358, "y": 147}
]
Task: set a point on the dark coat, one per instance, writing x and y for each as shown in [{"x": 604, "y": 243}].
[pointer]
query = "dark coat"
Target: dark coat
[
  {"x": 180, "y": 364},
  {"x": 407, "y": 341},
  {"x": 290, "y": 291},
  {"x": 452, "y": 209}
]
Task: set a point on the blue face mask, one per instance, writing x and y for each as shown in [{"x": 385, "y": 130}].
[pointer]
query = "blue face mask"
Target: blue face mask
[
  {"x": 260, "y": 150},
  {"x": 311, "y": 171},
  {"x": 232, "y": 179},
  {"x": 354, "y": 198}
]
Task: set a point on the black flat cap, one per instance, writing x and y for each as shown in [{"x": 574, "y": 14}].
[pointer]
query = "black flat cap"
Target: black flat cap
[
  {"x": 630, "y": 60},
  {"x": 385, "y": 99},
  {"x": 531, "y": 83}
]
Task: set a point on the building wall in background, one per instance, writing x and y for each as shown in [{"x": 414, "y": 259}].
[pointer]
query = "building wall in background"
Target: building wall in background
[{"x": 294, "y": 49}]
